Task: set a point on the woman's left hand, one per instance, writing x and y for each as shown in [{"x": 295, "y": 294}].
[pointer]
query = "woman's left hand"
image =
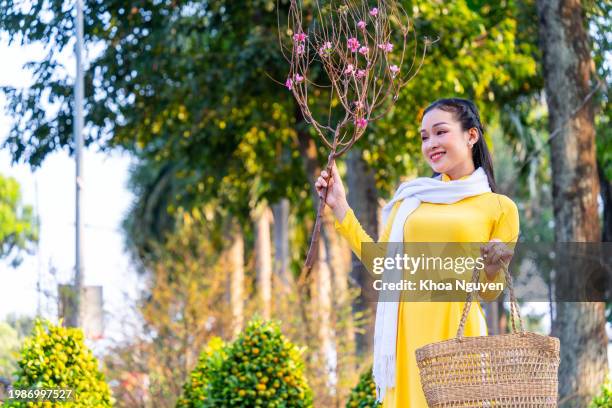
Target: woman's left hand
[{"x": 495, "y": 254}]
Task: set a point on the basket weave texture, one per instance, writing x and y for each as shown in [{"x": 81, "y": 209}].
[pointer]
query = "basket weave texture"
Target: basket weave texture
[{"x": 516, "y": 370}]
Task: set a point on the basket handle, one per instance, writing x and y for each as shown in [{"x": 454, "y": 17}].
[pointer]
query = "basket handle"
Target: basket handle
[{"x": 514, "y": 309}]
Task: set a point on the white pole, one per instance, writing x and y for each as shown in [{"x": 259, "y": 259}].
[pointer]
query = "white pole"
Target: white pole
[{"x": 78, "y": 143}]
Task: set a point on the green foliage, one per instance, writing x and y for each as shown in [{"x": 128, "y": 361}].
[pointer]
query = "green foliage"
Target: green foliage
[
  {"x": 482, "y": 53},
  {"x": 363, "y": 395},
  {"x": 56, "y": 357},
  {"x": 17, "y": 225},
  {"x": 177, "y": 81},
  {"x": 261, "y": 368},
  {"x": 604, "y": 399},
  {"x": 157, "y": 190}
]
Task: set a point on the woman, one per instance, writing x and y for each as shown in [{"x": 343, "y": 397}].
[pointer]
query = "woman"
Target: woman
[{"x": 458, "y": 204}]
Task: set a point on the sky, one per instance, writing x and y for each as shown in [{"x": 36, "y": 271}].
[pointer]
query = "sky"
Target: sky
[{"x": 50, "y": 189}]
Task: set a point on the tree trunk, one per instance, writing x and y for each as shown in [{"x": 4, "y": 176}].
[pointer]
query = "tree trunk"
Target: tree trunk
[
  {"x": 362, "y": 196},
  {"x": 322, "y": 307},
  {"x": 338, "y": 258},
  {"x": 502, "y": 322},
  {"x": 281, "y": 242},
  {"x": 263, "y": 259},
  {"x": 235, "y": 263},
  {"x": 567, "y": 68}
]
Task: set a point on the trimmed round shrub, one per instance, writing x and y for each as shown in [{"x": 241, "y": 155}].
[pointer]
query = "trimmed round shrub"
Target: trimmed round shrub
[
  {"x": 261, "y": 368},
  {"x": 364, "y": 393},
  {"x": 56, "y": 357},
  {"x": 604, "y": 399}
]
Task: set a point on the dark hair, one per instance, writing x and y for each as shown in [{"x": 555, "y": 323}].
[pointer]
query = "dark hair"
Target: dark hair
[{"x": 466, "y": 113}]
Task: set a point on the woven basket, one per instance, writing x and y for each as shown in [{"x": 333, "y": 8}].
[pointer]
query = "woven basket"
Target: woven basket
[{"x": 509, "y": 370}]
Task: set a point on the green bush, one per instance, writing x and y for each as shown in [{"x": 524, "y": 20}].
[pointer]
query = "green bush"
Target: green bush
[
  {"x": 604, "y": 399},
  {"x": 364, "y": 393},
  {"x": 56, "y": 357},
  {"x": 259, "y": 369}
]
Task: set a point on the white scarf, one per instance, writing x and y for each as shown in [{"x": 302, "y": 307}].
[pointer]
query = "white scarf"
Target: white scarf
[{"x": 422, "y": 189}]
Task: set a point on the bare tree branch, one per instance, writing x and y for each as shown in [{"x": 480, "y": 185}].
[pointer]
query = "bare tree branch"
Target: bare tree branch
[{"x": 355, "y": 48}]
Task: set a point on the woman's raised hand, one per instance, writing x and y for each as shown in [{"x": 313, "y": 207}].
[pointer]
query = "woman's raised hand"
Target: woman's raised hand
[
  {"x": 336, "y": 195},
  {"x": 495, "y": 254}
]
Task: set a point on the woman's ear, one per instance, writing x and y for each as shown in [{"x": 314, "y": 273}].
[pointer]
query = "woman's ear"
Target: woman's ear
[{"x": 473, "y": 136}]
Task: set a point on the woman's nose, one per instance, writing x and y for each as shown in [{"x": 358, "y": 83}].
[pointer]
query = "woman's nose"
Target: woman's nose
[{"x": 431, "y": 143}]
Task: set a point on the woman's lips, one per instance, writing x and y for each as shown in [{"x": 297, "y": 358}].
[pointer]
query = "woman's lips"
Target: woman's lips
[{"x": 436, "y": 156}]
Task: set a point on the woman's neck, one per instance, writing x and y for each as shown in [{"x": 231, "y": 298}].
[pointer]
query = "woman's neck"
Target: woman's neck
[{"x": 461, "y": 171}]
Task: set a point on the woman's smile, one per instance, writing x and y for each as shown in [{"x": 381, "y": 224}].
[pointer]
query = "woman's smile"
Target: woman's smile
[{"x": 434, "y": 157}]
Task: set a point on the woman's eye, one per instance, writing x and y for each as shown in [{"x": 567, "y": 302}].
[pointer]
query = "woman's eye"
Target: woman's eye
[{"x": 441, "y": 132}]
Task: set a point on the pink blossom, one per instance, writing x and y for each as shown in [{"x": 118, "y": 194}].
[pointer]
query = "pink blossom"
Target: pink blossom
[
  {"x": 300, "y": 49},
  {"x": 298, "y": 78},
  {"x": 361, "y": 123},
  {"x": 353, "y": 44},
  {"x": 361, "y": 24},
  {"x": 361, "y": 73},
  {"x": 387, "y": 47},
  {"x": 358, "y": 104},
  {"x": 289, "y": 83},
  {"x": 394, "y": 70},
  {"x": 374, "y": 12},
  {"x": 325, "y": 49},
  {"x": 299, "y": 37},
  {"x": 363, "y": 50},
  {"x": 350, "y": 69}
]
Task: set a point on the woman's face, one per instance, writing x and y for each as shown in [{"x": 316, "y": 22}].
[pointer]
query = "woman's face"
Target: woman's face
[{"x": 445, "y": 145}]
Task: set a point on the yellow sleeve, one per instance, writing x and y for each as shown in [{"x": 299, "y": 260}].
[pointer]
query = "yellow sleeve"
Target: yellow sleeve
[
  {"x": 353, "y": 232},
  {"x": 506, "y": 229}
]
